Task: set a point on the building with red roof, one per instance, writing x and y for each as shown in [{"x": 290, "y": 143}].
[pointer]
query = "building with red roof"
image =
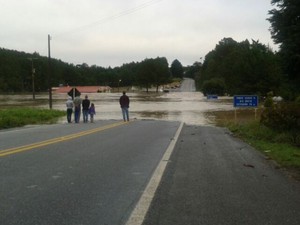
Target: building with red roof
[{"x": 82, "y": 89}]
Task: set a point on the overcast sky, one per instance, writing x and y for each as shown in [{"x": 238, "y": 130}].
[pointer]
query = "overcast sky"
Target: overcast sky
[{"x": 113, "y": 32}]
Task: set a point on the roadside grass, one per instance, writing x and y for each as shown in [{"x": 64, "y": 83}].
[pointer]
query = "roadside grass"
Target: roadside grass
[
  {"x": 17, "y": 117},
  {"x": 278, "y": 146}
]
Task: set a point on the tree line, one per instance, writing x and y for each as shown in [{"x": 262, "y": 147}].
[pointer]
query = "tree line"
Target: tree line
[
  {"x": 19, "y": 69},
  {"x": 241, "y": 68}
]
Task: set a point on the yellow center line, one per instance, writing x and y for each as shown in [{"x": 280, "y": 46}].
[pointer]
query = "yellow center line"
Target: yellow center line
[{"x": 24, "y": 148}]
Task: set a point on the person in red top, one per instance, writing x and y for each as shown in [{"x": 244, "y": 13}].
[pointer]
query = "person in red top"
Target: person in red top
[{"x": 124, "y": 103}]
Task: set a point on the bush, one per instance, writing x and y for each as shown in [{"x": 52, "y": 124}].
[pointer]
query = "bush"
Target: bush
[
  {"x": 269, "y": 102},
  {"x": 283, "y": 117},
  {"x": 214, "y": 86},
  {"x": 297, "y": 101}
]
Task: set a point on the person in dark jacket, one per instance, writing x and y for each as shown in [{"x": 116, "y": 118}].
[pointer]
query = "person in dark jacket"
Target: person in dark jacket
[
  {"x": 124, "y": 103},
  {"x": 85, "y": 109}
]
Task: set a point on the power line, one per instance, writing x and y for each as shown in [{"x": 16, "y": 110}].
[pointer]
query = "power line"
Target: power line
[{"x": 112, "y": 17}]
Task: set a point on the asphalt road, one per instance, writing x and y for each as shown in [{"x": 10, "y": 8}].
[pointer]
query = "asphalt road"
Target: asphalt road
[
  {"x": 213, "y": 178},
  {"x": 96, "y": 174},
  {"x": 78, "y": 173},
  {"x": 188, "y": 85}
]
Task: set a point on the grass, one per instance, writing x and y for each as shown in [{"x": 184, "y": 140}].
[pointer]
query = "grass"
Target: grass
[
  {"x": 278, "y": 146},
  {"x": 17, "y": 117}
]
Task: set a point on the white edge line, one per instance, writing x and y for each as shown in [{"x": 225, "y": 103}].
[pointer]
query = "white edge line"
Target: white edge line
[{"x": 138, "y": 215}]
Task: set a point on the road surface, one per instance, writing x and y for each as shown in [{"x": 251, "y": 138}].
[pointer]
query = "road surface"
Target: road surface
[
  {"x": 91, "y": 174},
  {"x": 78, "y": 173},
  {"x": 213, "y": 178},
  {"x": 188, "y": 85}
]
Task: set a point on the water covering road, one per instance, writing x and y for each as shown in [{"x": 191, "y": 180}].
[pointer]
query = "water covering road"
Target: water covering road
[{"x": 182, "y": 104}]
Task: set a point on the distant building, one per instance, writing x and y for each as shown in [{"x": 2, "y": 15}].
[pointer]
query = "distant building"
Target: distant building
[{"x": 82, "y": 89}]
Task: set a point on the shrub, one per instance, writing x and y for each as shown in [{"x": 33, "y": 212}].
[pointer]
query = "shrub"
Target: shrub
[
  {"x": 283, "y": 117},
  {"x": 297, "y": 101},
  {"x": 214, "y": 86},
  {"x": 269, "y": 102}
]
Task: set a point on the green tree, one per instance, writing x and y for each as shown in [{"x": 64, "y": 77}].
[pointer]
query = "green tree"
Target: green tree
[
  {"x": 145, "y": 74},
  {"x": 161, "y": 72},
  {"x": 177, "y": 69},
  {"x": 127, "y": 73},
  {"x": 245, "y": 68},
  {"x": 193, "y": 70},
  {"x": 153, "y": 72},
  {"x": 285, "y": 31},
  {"x": 214, "y": 86}
]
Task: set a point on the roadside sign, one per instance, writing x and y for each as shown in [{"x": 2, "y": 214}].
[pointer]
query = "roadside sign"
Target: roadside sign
[
  {"x": 245, "y": 101},
  {"x": 212, "y": 97},
  {"x": 74, "y": 93}
]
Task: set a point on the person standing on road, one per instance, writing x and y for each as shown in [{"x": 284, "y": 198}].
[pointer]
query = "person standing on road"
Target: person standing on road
[
  {"x": 92, "y": 112},
  {"x": 85, "y": 109},
  {"x": 124, "y": 103},
  {"x": 77, "y": 104},
  {"x": 70, "y": 106}
]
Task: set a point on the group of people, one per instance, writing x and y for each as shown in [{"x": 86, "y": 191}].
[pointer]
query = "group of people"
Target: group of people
[{"x": 88, "y": 108}]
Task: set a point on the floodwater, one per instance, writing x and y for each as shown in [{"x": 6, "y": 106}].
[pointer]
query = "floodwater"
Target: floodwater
[{"x": 188, "y": 107}]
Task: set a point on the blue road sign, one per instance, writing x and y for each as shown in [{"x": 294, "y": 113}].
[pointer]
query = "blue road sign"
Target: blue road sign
[
  {"x": 212, "y": 97},
  {"x": 245, "y": 101}
]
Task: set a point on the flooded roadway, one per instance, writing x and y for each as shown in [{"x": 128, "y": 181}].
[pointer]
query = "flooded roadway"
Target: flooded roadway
[{"x": 182, "y": 104}]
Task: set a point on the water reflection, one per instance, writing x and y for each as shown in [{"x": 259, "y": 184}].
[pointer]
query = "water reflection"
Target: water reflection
[{"x": 189, "y": 107}]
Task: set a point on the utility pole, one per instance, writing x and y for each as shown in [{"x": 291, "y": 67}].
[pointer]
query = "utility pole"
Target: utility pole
[
  {"x": 49, "y": 73},
  {"x": 32, "y": 77}
]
